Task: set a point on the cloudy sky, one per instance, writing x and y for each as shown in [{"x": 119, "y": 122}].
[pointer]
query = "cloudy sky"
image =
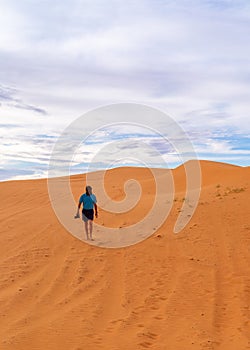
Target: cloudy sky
[{"x": 60, "y": 59}]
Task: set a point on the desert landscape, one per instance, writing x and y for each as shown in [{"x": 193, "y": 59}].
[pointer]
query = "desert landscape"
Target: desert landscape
[{"x": 169, "y": 292}]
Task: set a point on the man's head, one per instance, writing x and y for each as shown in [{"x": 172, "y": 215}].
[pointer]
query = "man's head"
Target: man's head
[{"x": 88, "y": 190}]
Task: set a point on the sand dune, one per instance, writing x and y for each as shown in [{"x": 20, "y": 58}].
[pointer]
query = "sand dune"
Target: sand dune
[{"x": 171, "y": 291}]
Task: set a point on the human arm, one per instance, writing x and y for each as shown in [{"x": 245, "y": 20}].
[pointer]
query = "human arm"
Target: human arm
[
  {"x": 96, "y": 211},
  {"x": 78, "y": 210}
]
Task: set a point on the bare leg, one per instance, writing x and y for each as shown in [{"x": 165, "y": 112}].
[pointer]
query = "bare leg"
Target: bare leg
[
  {"x": 91, "y": 229},
  {"x": 86, "y": 229}
]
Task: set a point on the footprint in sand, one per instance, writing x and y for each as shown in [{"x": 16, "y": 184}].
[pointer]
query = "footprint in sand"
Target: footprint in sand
[{"x": 145, "y": 344}]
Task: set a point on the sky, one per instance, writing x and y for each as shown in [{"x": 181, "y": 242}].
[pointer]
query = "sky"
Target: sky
[{"x": 61, "y": 59}]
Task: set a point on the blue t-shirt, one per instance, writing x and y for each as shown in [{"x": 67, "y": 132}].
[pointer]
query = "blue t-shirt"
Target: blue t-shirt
[{"x": 88, "y": 201}]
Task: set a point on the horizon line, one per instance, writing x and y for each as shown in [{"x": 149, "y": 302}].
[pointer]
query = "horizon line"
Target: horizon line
[{"x": 128, "y": 166}]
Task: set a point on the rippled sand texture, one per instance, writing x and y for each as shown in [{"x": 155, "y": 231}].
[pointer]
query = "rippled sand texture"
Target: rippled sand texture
[{"x": 172, "y": 291}]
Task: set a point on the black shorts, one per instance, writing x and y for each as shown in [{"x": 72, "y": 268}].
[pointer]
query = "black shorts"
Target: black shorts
[{"x": 87, "y": 214}]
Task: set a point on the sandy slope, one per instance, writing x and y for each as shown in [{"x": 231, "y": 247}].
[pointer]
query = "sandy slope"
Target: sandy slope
[{"x": 175, "y": 292}]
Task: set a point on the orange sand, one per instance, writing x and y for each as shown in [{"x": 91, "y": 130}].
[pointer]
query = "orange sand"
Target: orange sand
[{"x": 170, "y": 292}]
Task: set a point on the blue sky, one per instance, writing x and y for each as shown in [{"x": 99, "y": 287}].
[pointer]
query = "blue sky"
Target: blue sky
[{"x": 60, "y": 59}]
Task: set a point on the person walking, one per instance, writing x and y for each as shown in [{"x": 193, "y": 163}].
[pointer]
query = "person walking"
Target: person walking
[{"x": 88, "y": 201}]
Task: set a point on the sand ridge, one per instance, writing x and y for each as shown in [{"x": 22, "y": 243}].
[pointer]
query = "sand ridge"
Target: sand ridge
[{"x": 184, "y": 291}]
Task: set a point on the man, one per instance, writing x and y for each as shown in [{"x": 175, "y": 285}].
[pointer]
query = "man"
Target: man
[{"x": 88, "y": 200}]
